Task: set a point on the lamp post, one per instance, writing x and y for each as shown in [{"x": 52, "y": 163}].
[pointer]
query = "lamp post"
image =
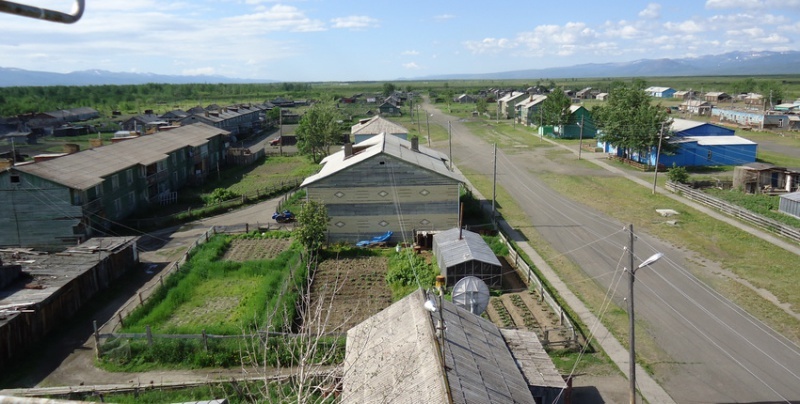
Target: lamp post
[{"x": 631, "y": 278}]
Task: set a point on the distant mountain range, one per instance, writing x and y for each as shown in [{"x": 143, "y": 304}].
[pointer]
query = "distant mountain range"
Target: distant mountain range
[
  {"x": 726, "y": 64},
  {"x": 18, "y": 77}
]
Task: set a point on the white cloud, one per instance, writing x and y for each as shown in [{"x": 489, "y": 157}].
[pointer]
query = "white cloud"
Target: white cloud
[
  {"x": 753, "y": 4},
  {"x": 355, "y": 22},
  {"x": 444, "y": 17},
  {"x": 410, "y": 53},
  {"x": 685, "y": 27},
  {"x": 651, "y": 12},
  {"x": 489, "y": 45},
  {"x": 277, "y": 18},
  {"x": 411, "y": 66}
]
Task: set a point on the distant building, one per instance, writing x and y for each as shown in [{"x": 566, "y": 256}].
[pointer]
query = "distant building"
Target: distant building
[
  {"x": 660, "y": 92},
  {"x": 367, "y": 128}
]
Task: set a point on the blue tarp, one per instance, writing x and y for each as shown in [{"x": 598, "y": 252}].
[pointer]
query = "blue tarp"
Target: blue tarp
[{"x": 375, "y": 240}]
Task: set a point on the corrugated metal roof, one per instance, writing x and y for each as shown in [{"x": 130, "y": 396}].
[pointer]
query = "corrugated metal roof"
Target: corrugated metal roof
[
  {"x": 720, "y": 140},
  {"x": 533, "y": 100},
  {"x": 480, "y": 367},
  {"x": 392, "y": 357},
  {"x": 794, "y": 196},
  {"x": 425, "y": 158},
  {"x": 88, "y": 168},
  {"x": 377, "y": 125},
  {"x": 471, "y": 246},
  {"x": 680, "y": 125}
]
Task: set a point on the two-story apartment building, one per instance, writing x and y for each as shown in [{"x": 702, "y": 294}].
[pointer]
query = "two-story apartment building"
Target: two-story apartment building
[{"x": 59, "y": 202}]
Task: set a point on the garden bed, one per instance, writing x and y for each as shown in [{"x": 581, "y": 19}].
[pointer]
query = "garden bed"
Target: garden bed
[{"x": 347, "y": 291}]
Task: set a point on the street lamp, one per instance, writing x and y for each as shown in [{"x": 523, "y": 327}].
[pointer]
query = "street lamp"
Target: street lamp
[{"x": 631, "y": 278}]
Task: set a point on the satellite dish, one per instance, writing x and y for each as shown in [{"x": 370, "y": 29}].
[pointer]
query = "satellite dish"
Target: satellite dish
[{"x": 470, "y": 293}]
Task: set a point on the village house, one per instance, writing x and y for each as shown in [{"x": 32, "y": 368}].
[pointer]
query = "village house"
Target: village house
[
  {"x": 67, "y": 199},
  {"x": 660, "y": 92},
  {"x": 526, "y": 110},
  {"x": 757, "y": 177},
  {"x": 385, "y": 184},
  {"x": 696, "y": 107},
  {"x": 752, "y": 119},
  {"x": 716, "y": 96},
  {"x": 507, "y": 104},
  {"x": 369, "y": 127}
]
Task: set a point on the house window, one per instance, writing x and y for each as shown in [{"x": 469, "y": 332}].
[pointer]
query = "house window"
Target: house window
[
  {"x": 15, "y": 179},
  {"x": 132, "y": 198},
  {"x": 709, "y": 155},
  {"x": 161, "y": 165},
  {"x": 130, "y": 176},
  {"x": 114, "y": 182},
  {"x": 117, "y": 205}
]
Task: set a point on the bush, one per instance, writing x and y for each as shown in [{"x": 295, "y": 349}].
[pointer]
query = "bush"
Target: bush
[
  {"x": 219, "y": 195},
  {"x": 678, "y": 174}
]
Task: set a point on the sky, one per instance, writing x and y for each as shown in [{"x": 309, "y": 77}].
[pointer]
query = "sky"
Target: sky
[{"x": 355, "y": 40}]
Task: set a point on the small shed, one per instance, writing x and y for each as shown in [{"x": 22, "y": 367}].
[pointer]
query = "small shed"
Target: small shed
[
  {"x": 790, "y": 204},
  {"x": 461, "y": 253}
]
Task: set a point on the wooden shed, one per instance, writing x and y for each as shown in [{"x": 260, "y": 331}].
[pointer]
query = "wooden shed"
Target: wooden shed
[{"x": 461, "y": 253}]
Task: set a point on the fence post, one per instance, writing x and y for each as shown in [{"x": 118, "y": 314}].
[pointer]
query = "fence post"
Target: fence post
[
  {"x": 141, "y": 301},
  {"x": 149, "y": 335},
  {"x": 247, "y": 228},
  {"x": 161, "y": 280},
  {"x": 546, "y": 339},
  {"x": 96, "y": 340},
  {"x": 119, "y": 316},
  {"x": 205, "y": 340},
  {"x": 206, "y": 234},
  {"x": 560, "y": 315}
]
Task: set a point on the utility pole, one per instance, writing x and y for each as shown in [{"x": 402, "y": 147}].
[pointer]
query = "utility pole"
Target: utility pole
[
  {"x": 280, "y": 132},
  {"x": 418, "y": 128},
  {"x": 580, "y": 142},
  {"x": 450, "y": 141},
  {"x": 428, "y": 124},
  {"x": 658, "y": 154},
  {"x": 632, "y": 351},
  {"x": 494, "y": 188}
]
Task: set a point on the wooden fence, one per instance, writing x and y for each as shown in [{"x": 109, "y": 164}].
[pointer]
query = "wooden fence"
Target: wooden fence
[
  {"x": 287, "y": 187},
  {"x": 781, "y": 229}
]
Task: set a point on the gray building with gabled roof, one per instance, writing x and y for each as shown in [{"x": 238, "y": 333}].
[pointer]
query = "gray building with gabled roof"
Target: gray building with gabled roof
[
  {"x": 395, "y": 356},
  {"x": 385, "y": 184},
  {"x": 62, "y": 201}
]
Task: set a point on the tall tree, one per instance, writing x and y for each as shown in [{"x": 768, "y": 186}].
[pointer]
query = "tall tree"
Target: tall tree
[
  {"x": 388, "y": 89},
  {"x": 312, "y": 226},
  {"x": 555, "y": 109},
  {"x": 629, "y": 121},
  {"x": 318, "y": 129}
]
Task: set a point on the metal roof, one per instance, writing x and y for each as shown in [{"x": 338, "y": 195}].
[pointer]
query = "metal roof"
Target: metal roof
[
  {"x": 377, "y": 125},
  {"x": 533, "y": 100},
  {"x": 425, "y": 158},
  {"x": 88, "y": 168},
  {"x": 719, "y": 140},
  {"x": 453, "y": 250},
  {"x": 794, "y": 196},
  {"x": 680, "y": 125},
  {"x": 532, "y": 359},
  {"x": 393, "y": 357}
]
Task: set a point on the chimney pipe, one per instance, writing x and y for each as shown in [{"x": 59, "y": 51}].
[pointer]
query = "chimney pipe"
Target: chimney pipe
[
  {"x": 348, "y": 150},
  {"x": 415, "y": 144}
]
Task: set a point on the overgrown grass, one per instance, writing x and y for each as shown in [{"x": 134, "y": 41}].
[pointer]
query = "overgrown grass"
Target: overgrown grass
[
  {"x": 256, "y": 296},
  {"x": 764, "y": 205},
  {"x": 408, "y": 272},
  {"x": 253, "y": 286}
]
